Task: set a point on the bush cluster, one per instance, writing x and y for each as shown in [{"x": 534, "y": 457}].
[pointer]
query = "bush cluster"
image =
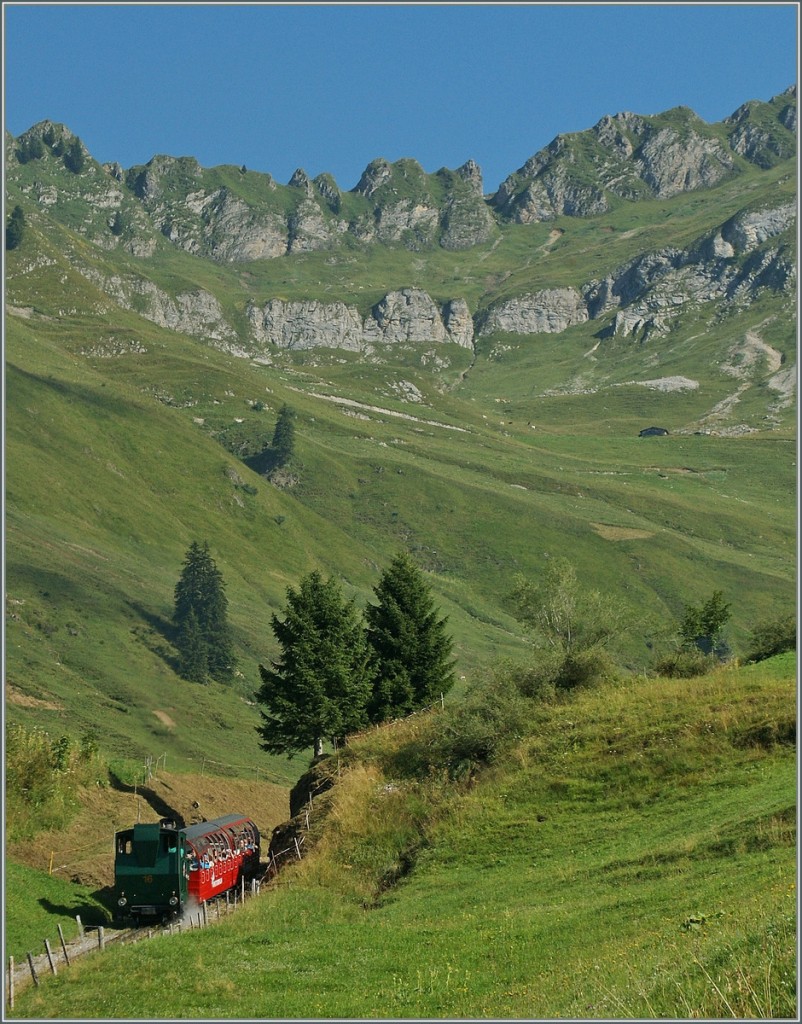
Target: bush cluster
[{"x": 43, "y": 776}]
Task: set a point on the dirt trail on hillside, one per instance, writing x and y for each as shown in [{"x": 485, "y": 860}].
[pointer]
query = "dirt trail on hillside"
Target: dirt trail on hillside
[{"x": 83, "y": 852}]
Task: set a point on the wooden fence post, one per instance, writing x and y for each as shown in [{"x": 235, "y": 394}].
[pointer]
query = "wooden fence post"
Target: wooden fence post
[
  {"x": 50, "y": 959},
  {"x": 101, "y": 937},
  {"x": 33, "y": 970},
  {"x": 81, "y": 932},
  {"x": 11, "y": 982},
  {"x": 63, "y": 945},
  {"x": 297, "y": 848}
]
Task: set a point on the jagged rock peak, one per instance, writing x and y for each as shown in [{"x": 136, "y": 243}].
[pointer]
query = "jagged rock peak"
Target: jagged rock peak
[
  {"x": 300, "y": 179},
  {"x": 374, "y": 175},
  {"x": 471, "y": 172}
]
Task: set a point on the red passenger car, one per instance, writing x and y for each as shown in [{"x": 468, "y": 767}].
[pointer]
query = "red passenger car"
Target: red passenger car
[{"x": 220, "y": 854}]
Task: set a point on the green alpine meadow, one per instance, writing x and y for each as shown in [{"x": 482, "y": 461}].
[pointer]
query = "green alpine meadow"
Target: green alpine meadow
[{"x": 449, "y": 536}]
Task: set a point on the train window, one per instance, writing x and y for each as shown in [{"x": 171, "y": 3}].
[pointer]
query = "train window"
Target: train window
[{"x": 125, "y": 846}]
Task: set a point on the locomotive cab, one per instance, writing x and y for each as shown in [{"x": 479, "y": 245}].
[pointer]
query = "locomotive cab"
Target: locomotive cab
[{"x": 150, "y": 873}]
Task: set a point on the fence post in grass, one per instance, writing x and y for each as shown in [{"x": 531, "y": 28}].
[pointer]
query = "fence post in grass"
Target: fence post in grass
[
  {"x": 81, "y": 932},
  {"x": 101, "y": 937},
  {"x": 297, "y": 848},
  {"x": 50, "y": 959},
  {"x": 11, "y": 982},
  {"x": 34, "y": 975},
  {"x": 243, "y": 889},
  {"x": 228, "y": 905},
  {"x": 205, "y": 914},
  {"x": 63, "y": 945}
]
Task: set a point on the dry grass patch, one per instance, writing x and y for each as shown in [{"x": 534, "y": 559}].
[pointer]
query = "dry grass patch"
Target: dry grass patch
[{"x": 608, "y": 532}]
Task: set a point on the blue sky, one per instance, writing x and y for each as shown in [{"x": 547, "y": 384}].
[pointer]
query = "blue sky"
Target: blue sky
[{"x": 330, "y": 87}]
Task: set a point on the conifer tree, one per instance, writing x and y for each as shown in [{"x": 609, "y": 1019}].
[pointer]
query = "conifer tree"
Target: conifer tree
[
  {"x": 74, "y": 157},
  {"x": 411, "y": 663},
  {"x": 15, "y": 228},
  {"x": 319, "y": 687},
  {"x": 200, "y": 593},
  {"x": 193, "y": 663},
  {"x": 283, "y": 437}
]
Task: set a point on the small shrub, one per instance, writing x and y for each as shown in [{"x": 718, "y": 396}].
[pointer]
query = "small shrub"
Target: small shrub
[
  {"x": 772, "y": 637},
  {"x": 477, "y": 732},
  {"x": 585, "y": 668},
  {"x": 686, "y": 664}
]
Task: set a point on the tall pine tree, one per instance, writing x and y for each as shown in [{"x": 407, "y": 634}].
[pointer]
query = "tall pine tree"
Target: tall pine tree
[
  {"x": 15, "y": 228},
  {"x": 283, "y": 444},
  {"x": 411, "y": 663},
  {"x": 201, "y": 618},
  {"x": 319, "y": 687}
]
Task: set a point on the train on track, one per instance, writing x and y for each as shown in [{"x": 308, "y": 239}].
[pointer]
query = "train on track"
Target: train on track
[{"x": 161, "y": 868}]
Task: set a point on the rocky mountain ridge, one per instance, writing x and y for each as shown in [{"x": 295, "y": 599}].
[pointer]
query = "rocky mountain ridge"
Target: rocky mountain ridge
[
  {"x": 233, "y": 216},
  {"x": 236, "y": 215}
]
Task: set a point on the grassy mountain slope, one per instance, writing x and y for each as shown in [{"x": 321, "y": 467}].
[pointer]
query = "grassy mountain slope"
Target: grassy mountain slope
[
  {"x": 632, "y": 855},
  {"x": 121, "y": 433}
]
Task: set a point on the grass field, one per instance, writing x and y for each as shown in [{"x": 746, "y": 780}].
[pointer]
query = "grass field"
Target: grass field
[{"x": 631, "y": 856}]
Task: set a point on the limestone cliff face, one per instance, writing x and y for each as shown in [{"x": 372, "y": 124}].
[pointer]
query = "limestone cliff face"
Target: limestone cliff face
[
  {"x": 197, "y": 313},
  {"x": 408, "y": 316},
  {"x": 304, "y": 325},
  {"x": 545, "y": 312},
  {"x": 732, "y": 264}
]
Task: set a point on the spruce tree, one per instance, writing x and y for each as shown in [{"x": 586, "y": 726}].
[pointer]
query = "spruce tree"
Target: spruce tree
[
  {"x": 74, "y": 157},
  {"x": 319, "y": 687},
  {"x": 15, "y": 228},
  {"x": 411, "y": 662},
  {"x": 193, "y": 663},
  {"x": 283, "y": 444},
  {"x": 200, "y": 593}
]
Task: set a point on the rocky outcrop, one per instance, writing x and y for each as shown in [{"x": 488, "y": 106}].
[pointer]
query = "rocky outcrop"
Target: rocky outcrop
[
  {"x": 731, "y": 264},
  {"x": 671, "y": 162},
  {"x": 406, "y": 316},
  {"x": 545, "y": 312},
  {"x": 304, "y": 325},
  {"x": 234, "y": 232},
  {"x": 628, "y": 156},
  {"x": 763, "y": 133},
  {"x": 197, "y": 313},
  {"x": 409, "y": 316}
]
